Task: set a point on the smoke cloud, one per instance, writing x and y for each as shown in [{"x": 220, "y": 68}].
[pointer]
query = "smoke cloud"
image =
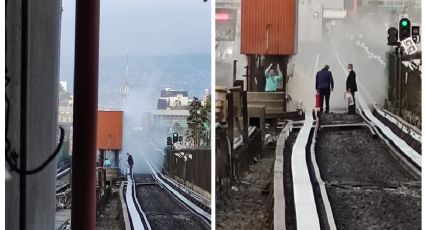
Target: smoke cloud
[{"x": 361, "y": 40}]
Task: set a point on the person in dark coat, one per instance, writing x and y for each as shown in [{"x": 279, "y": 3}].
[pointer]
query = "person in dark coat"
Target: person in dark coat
[
  {"x": 130, "y": 163},
  {"x": 324, "y": 86},
  {"x": 350, "y": 84}
]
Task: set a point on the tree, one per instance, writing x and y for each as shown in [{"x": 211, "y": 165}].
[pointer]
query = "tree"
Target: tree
[
  {"x": 205, "y": 128},
  {"x": 64, "y": 95},
  {"x": 198, "y": 117}
]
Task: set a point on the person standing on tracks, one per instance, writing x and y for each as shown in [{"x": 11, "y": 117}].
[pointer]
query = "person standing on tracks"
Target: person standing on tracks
[
  {"x": 130, "y": 163},
  {"x": 272, "y": 78},
  {"x": 351, "y": 86},
  {"x": 324, "y": 86}
]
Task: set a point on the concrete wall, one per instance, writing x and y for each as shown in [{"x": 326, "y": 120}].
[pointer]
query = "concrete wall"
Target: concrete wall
[
  {"x": 13, "y": 62},
  {"x": 43, "y": 76},
  {"x": 224, "y": 68}
]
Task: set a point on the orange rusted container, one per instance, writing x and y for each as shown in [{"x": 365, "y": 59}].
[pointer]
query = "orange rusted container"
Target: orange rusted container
[
  {"x": 109, "y": 130},
  {"x": 268, "y": 27}
]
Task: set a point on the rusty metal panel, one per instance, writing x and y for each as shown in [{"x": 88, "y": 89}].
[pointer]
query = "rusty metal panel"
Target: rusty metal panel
[
  {"x": 109, "y": 130},
  {"x": 268, "y": 27}
]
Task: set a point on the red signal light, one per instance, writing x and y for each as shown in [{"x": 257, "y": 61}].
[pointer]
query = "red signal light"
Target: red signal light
[{"x": 222, "y": 16}]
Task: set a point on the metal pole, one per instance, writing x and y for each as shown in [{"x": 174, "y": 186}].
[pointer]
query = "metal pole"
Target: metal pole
[
  {"x": 399, "y": 54},
  {"x": 24, "y": 117},
  {"x": 170, "y": 152},
  {"x": 83, "y": 212},
  {"x": 234, "y": 70},
  {"x": 396, "y": 75},
  {"x": 230, "y": 130},
  {"x": 245, "y": 116},
  {"x": 248, "y": 78}
]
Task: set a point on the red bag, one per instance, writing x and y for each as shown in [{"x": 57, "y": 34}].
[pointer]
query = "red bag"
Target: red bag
[{"x": 317, "y": 101}]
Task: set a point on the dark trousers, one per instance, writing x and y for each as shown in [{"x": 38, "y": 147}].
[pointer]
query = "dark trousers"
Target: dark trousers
[{"x": 324, "y": 94}]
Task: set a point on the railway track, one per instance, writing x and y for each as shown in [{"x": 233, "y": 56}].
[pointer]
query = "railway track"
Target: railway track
[
  {"x": 157, "y": 202},
  {"x": 366, "y": 181},
  {"x": 359, "y": 178},
  {"x": 63, "y": 189},
  {"x": 63, "y": 198},
  {"x": 62, "y": 181}
]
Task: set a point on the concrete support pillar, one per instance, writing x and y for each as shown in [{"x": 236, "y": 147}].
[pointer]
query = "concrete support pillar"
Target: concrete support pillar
[{"x": 42, "y": 68}]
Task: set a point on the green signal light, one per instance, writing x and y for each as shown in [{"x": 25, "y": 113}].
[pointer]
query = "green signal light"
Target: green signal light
[{"x": 404, "y": 23}]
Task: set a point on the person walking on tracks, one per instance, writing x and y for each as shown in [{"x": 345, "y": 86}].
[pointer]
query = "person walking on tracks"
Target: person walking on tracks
[
  {"x": 351, "y": 87},
  {"x": 324, "y": 86},
  {"x": 130, "y": 163},
  {"x": 272, "y": 78}
]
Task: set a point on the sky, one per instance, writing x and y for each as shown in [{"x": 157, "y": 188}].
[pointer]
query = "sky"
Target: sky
[{"x": 146, "y": 28}]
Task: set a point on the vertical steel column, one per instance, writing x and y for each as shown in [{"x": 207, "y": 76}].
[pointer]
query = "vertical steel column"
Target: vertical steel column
[
  {"x": 234, "y": 71},
  {"x": 395, "y": 95},
  {"x": 24, "y": 115},
  {"x": 230, "y": 131},
  {"x": 245, "y": 116},
  {"x": 400, "y": 82},
  {"x": 85, "y": 114}
]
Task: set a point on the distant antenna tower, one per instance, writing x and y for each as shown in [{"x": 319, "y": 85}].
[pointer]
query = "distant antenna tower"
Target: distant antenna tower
[{"x": 125, "y": 89}]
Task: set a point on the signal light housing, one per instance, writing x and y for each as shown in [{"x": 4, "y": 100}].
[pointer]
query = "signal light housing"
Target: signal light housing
[
  {"x": 393, "y": 36},
  {"x": 404, "y": 28},
  {"x": 416, "y": 37},
  {"x": 175, "y": 137}
]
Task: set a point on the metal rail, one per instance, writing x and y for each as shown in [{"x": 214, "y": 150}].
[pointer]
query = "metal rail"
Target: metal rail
[
  {"x": 137, "y": 216},
  {"x": 278, "y": 187},
  {"x": 193, "y": 194},
  {"x": 323, "y": 193},
  {"x": 63, "y": 173},
  {"x": 305, "y": 206},
  {"x": 138, "y": 207},
  {"x": 126, "y": 219},
  {"x": 408, "y": 157},
  {"x": 203, "y": 215}
]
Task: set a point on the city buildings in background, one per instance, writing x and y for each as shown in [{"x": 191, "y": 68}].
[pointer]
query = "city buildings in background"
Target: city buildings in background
[
  {"x": 173, "y": 99},
  {"x": 172, "y": 109},
  {"x": 205, "y": 97}
]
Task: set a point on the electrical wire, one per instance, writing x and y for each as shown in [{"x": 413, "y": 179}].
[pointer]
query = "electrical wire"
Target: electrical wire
[
  {"x": 13, "y": 165},
  {"x": 11, "y": 156}
]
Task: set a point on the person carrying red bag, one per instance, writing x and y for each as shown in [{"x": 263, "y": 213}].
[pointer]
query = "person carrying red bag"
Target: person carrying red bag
[{"x": 324, "y": 86}]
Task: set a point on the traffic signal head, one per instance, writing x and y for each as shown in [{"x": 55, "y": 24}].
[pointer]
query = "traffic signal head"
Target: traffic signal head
[
  {"x": 415, "y": 30},
  {"x": 169, "y": 141},
  {"x": 404, "y": 22},
  {"x": 392, "y": 36},
  {"x": 175, "y": 137},
  {"x": 181, "y": 139},
  {"x": 404, "y": 28},
  {"x": 416, "y": 37}
]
